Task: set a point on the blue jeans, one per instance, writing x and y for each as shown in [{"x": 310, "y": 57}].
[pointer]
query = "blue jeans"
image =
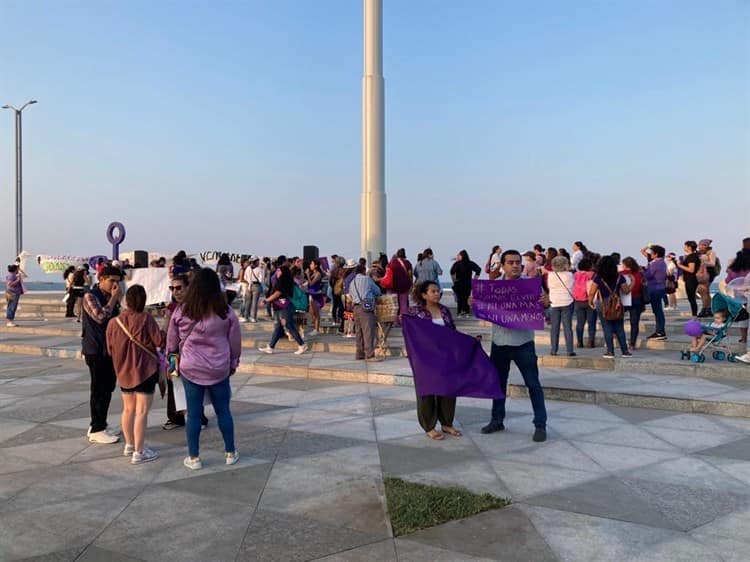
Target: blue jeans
[
  {"x": 220, "y": 394},
  {"x": 614, "y": 328},
  {"x": 524, "y": 356},
  {"x": 288, "y": 315},
  {"x": 12, "y": 302},
  {"x": 657, "y": 305},
  {"x": 561, "y": 314},
  {"x": 585, "y": 315},
  {"x": 635, "y": 319}
]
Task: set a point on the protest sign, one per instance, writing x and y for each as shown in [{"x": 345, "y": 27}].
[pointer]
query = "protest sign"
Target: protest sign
[
  {"x": 58, "y": 264},
  {"x": 509, "y": 303}
]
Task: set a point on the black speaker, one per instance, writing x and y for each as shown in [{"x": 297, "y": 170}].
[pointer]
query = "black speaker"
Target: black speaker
[
  {"x": 310, "y": 253},
  {"x": 140, "y": 258}
]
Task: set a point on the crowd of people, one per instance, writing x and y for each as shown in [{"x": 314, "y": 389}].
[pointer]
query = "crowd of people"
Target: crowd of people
[{"x": 201, "y": 346}]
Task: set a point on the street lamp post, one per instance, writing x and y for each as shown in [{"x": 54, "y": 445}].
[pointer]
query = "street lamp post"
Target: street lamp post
[{"x": 19, "y": 177}]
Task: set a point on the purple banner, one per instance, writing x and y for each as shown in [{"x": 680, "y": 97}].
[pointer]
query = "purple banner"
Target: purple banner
[
  {"x": 448, "y": 363},
  {"x": 509, "y": 303}
]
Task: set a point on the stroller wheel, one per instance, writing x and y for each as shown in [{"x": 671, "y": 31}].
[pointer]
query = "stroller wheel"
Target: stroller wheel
[
  {"x": 702, "y": 358},
  {"x": 731, "y": 358},
  {"x": 719, "y": 355},
  {"x": 684, "y": 355},
  {"x": 695, "y": 358}
]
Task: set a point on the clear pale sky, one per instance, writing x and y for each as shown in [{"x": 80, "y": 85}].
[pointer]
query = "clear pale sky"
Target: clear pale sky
[{"x": 237, "y": 125}]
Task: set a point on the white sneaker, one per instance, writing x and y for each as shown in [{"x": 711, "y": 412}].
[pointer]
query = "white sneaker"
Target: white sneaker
[
  {"x": 147, "y": 455},
  {"x": 11, "y": 324},
  {"x": 253, "y": 321},
  {"x": 128, "y": 450},
  {"x": 314, "y": 333},
  {"x": 103, "y": 438},
  {"x": 267, "y": 349},
  {"x": 301, "y": 349},
  {"x": 744, "y": 358},
  {"x": 232, "y": 458},
  {"x": 193, "y": 463},
  {"x": 243, "y": 320},
  {"x": 115, "y": 432}
]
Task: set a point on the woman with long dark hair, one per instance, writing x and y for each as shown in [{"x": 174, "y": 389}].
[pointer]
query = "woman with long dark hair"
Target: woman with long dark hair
[
  {"x": 689, "y": 265},
  {"x": 608, "y": 281},
  {"x": 205, "y": 332},
  {"x": 280, "y": 297},
  {"x": 633, "y": 270},
  {"x": 461, "y": 273}
]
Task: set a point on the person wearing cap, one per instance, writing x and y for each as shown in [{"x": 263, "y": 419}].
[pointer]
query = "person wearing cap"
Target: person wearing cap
[{"x": 100, "y": 305}]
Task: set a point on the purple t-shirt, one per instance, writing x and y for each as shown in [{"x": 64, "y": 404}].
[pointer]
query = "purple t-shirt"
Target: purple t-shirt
[{"x": 14, "y": 289}]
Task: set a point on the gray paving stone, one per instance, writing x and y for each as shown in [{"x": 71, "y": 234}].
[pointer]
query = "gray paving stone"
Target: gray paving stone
[
  {"x": 300, "y": 384},
  {"x": 301, "y": 443},
  {"x": 41, "y": 434},
  {"x": 412, "y": 551},
  {"x": 687, "y": 507},
  {"x": 606, "y": 497},
  {"x": 383, "y": 551},
  {"x": 505, "y": 534},
  {"x": 383, "y": 406},
  {"x": 397, "y": 460},
  {"x": 638, "y": 415},
  {"x": 242, "y": 485},
  {"x": 67, "y": 555},
  {"x": 96, "y": 554},
  {"x": 739, "y": 449},
  {"x": 282, "y": 536}
]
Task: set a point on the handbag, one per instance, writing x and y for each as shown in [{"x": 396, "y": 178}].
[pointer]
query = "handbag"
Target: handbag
[
  {"x": 299, "y": 300},
  {"x": 387, "y": 281},
  {"x": 367, "y": 304},
  {"x": 645, "y": 294}
]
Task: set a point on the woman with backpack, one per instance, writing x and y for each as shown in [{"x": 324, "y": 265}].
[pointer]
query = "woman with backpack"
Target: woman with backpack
[{"x": 605, "y": 296}]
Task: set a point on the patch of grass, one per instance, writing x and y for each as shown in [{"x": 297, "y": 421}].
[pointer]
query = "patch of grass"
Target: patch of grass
[{"x": 416, "y": 506}]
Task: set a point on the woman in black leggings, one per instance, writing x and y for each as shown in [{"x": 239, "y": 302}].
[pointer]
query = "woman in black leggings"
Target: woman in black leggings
[{"x": 689, "y": 266}]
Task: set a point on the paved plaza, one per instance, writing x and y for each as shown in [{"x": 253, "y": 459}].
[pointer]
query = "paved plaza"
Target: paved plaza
[{"x": 612, "y": 483}]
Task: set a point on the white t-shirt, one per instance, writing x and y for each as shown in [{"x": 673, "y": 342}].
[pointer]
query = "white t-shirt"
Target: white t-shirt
[{"x": 560, "y": 288}]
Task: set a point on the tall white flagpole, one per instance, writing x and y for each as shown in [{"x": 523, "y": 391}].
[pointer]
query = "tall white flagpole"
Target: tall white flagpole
[{"x": 373, "y": 135}]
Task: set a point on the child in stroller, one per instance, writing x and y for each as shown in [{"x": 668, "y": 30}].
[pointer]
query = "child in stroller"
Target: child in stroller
[{"x": 725, "y": 311}]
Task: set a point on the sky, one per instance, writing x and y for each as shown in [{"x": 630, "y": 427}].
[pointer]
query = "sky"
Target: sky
[{"x": 236, "y": 126}]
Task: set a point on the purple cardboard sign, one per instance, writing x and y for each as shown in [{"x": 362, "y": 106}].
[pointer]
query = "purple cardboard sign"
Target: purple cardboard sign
[{"x": 509, "y": 303}]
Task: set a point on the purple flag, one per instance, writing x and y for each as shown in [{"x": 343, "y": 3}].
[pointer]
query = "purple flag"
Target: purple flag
[
  {"x": 511, "y": 303},
  {"x": 448, "y": 363}
]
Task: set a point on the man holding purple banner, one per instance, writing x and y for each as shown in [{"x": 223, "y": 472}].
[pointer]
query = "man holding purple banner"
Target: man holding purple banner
[{"x": 516, "y": 344}]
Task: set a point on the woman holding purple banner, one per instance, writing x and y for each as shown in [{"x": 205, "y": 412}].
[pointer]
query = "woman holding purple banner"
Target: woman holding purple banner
[{"x": 431, "y": 409}]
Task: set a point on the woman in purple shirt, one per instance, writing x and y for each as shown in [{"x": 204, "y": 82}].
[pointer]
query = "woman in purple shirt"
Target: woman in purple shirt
[
  {"x": 656, "y": 277},
  {"x": 206, "y": 333},
  {"x": 13, "y": 292}
]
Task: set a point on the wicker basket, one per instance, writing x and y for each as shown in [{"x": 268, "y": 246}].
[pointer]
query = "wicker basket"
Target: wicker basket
[{"x": 386, "y": 308}]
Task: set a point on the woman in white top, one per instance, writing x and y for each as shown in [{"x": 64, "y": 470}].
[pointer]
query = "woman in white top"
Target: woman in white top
[{"x": 560, "y": 284}]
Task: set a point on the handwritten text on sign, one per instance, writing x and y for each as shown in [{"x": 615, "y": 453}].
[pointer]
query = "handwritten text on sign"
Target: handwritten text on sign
[{"x": 509, "y": 303}]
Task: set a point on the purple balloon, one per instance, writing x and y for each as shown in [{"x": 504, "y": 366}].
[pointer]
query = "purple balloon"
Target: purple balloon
[{"x": 693, "y": 328}]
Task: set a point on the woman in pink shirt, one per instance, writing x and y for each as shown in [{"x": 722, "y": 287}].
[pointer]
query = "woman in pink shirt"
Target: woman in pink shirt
[
  {"x": 205, "y": 332},
  {"x": 584, "y": 313}
]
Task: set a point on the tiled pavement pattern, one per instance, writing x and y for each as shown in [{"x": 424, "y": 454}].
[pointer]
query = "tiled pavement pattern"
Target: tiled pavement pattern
[{"x": 612, "y": 483}]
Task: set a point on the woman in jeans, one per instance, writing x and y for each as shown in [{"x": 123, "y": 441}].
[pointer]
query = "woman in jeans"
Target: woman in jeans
[
  {"x": 633, "y": 270},
  {"x": 607, "y": 281},
  {"x": 206, "y": 333},
  {"x": 560, "y": 283},
  {"x": 280, "y": 298},
  {"x": 656, "y": 279},
  {"x": 584, "y": 313}
]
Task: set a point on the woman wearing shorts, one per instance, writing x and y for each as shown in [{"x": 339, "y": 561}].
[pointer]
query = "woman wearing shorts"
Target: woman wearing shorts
[{"x": 133, "y": 339}]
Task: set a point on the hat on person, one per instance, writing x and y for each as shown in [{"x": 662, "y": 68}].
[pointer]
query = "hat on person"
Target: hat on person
[
  {"x": 705, "y": 242},
  {"x": 254, "y": 258},
  {"x": 350, "y": 264}
]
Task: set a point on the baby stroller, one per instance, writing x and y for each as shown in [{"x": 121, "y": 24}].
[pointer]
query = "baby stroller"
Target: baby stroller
[{"x": 715, "y": 340}]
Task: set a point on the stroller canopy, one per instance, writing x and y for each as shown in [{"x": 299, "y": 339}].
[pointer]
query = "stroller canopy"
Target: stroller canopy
[{"x": 723, "y": 302}]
